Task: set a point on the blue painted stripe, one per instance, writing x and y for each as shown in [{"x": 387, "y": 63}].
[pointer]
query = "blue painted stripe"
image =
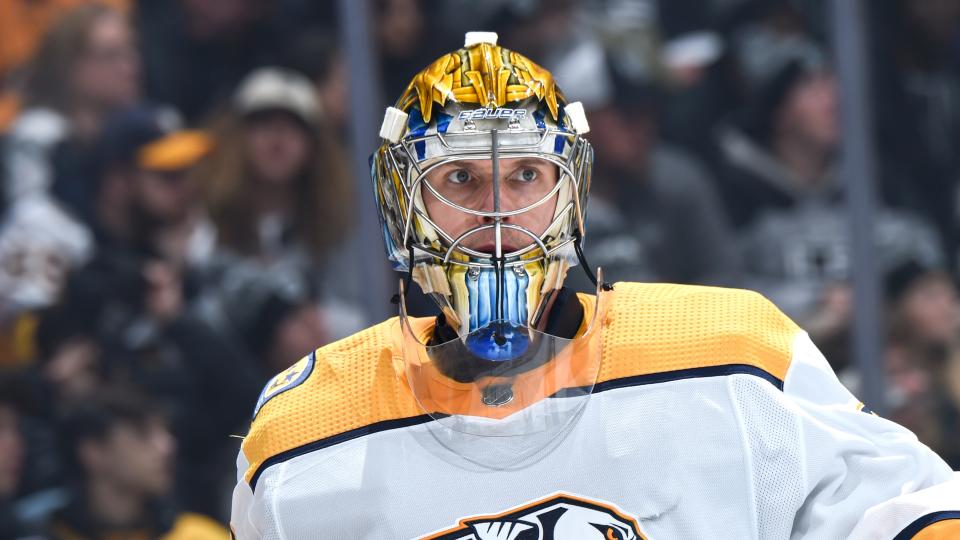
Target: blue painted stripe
[
  {"x": 925, "y": 521},
  {"x": 538, "y": 118},
  {"x": 558, "y": 144},
  {"x": 443, "y": 122}
]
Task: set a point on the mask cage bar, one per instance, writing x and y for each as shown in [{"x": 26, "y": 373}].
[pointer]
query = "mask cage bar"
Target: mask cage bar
[
  {"x": 578, "y": 146},
  {"x": 498, "y": 336},
  {"x": 578, "y": 159}
]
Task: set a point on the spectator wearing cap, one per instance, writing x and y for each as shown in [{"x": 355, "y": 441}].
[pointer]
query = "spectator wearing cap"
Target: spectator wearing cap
[
  {"x": 86, "y": 67},
  {"x": 146, "y": 200},
  {"x": 276, "y": 185},
  {"x": 121, "y": 454},
  {"x": 279, "y": 191},
  {"x": 138, "y": 294}
]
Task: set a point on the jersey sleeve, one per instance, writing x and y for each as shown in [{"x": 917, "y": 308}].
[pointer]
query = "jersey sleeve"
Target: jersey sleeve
[
  {"x": 859, "y": 470},
  {"x": 250, "y": 514}
]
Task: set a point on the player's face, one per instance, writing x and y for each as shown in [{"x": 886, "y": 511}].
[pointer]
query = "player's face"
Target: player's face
[{"x": 469, "y": 183}]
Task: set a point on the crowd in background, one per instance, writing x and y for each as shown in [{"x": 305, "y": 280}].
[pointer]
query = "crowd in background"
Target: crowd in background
[{"x": 177, "y": 209}]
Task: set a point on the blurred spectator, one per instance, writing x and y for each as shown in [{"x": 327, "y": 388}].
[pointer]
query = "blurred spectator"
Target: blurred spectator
[
  {"x": 272, "y": 313},
  {"x": 778, "y": 179},
  {"x": 780, "y": 152},
  {"x": 913, "y": 396},
  {"x": 39, "y": 244},
  {"x": 653, "y": 213},
  {"x": 87, "y": 66},
  {"x": 139, "y": 292},
  {"x": 922, "y": 351},
  {"x": 23, "y": 25},
  {"x": 399, "y": 28},
  {"x": 278, "y": 189},
  {"x": 146, "y": 200},
  {"x": 196, "y": 51},
  {"x": 917, "y": 110},
  {"x": 316, "y": 55},
  {"x": 277, "y": 183},
  {"x": 12, "y": 457},
  {"x": 147, "y": 335},
  {"x": 801, "y": 259},
  {"x": 924, "y": 305},
  {"x": 69, "y": 356},
  {"x": 121, "y": 454}
]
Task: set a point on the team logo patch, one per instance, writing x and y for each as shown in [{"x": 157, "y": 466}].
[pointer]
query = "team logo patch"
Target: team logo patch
[
  {"x": 560, "y": 517},
  {"x": 289, "y": 378}
]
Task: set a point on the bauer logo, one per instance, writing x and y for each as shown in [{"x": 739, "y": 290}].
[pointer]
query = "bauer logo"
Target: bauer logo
[
  {"x": 560, "y": 517},
  {"x": 492, "y": 114}
]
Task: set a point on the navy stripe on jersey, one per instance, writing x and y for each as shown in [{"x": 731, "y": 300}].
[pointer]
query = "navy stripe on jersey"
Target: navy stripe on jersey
[
  {"x": 925, "y": 521},
  {"x": 337, "y": 439},
  {"x": 639, "y": 380},
  {"x": 691, "y": 373}
]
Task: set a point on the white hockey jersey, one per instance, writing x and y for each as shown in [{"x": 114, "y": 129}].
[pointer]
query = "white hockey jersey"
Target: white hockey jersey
[{"x": 713, "y": 416}]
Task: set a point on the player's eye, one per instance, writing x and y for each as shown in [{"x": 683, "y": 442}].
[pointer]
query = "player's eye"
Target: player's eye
[
  {"x": 526, "y": 175},
  {"x": 459, "y": 176}
]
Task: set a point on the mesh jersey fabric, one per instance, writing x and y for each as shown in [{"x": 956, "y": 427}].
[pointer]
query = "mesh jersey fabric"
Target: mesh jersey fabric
[
  {"x": 672, "y": 438},
  {"x": 648, "y": 329}
]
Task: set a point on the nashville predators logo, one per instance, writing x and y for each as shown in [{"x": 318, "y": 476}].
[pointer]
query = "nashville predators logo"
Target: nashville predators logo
[
  {"x": 560, "y": 517},
  {"x": 285, "y": 380}
]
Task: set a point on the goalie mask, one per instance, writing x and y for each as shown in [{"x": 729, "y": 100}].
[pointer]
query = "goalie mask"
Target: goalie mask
[{"x": 481, "y": 182}]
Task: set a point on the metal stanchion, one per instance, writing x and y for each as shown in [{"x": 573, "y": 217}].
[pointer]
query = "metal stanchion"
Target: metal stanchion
[
  {"x": 366, "y": 105},
  {"x": 858, "y": 174}
]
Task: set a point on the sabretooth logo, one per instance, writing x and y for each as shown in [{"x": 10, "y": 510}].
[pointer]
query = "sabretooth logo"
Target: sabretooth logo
[
  {"x": 560, "y": 517},
  {"x": 485, "y": 113}
]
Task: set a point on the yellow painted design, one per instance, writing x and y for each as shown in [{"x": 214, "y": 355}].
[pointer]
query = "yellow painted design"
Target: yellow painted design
[{"x": 484, "y": 74}]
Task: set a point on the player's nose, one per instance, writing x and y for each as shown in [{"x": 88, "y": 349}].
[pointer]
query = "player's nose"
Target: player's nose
[{"x": 488, "y": 202}]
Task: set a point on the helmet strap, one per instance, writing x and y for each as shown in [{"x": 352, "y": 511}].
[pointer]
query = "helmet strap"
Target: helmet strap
[{"x": 577, "y": 241}]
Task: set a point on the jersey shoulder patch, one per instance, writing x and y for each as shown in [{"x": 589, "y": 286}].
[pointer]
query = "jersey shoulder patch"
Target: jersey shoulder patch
[{"x": 287, "y": 379}]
